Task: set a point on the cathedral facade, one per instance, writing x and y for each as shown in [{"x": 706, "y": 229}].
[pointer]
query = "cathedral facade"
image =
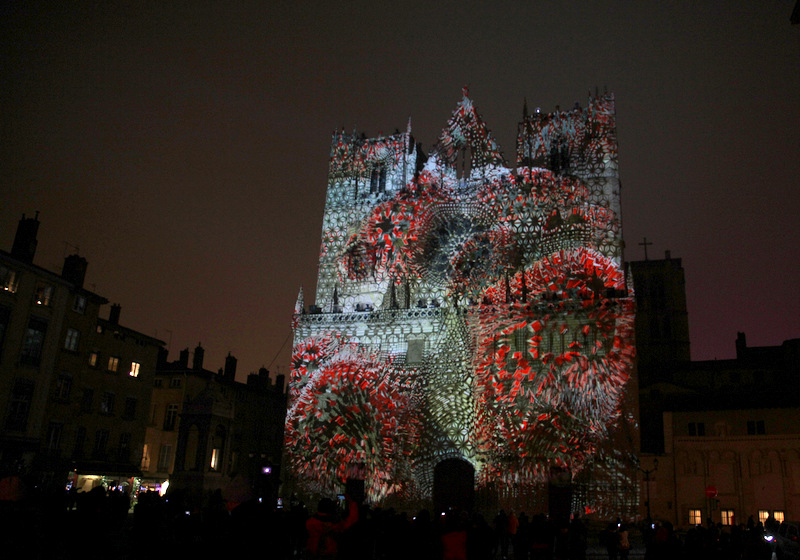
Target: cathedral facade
[{"x": 472, "y": 319}]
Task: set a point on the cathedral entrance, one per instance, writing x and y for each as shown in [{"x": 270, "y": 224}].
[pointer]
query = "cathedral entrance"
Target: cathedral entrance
[{"x": 453, "y": 485}]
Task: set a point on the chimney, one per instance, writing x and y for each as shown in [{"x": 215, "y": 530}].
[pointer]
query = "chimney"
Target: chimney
[
  {"x": 741, "y": 345},
  {"x": 183, "y": 358},
  {"x": 25, "y": 242},
  {"x": 113, "y": 315},
  {"x": 74, "y": 270},
  {"x": 230, "y": 367},
  {"x": 162, "y": 357},
  {"x": 197, "y": 361}
]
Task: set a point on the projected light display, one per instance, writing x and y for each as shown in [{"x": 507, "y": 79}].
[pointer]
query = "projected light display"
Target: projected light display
[{"x": 466, "y": 310}]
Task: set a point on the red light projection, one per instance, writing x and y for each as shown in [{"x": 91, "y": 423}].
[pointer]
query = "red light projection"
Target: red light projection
[
  {"x": 466, "y": 311},
  {"x": 349, "y": 407}
]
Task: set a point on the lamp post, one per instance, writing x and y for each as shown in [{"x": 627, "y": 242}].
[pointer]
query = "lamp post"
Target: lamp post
[{"x": 647, "y": 473}]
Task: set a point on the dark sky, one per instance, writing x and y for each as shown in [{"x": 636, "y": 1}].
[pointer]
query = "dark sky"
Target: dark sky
[{"x": 184, "y": 149}]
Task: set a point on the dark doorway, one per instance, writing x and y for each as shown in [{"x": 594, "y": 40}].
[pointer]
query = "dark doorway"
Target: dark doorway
[
  {"x": 560, "y": 494},
  {"x": 453, "y": 485}
]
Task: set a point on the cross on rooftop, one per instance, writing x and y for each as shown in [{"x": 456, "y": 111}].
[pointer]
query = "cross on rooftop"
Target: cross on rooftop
[{"x": 644, "y": 244}]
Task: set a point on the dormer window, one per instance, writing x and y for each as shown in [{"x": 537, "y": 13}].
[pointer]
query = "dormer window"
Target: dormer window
[
  {"x": 79, "y": 305},
  {"x": 8, "y": 280},
  {"x": 43, "y": 295}
]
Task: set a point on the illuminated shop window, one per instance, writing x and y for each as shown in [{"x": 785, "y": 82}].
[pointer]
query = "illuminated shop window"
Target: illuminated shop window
[
  {"x": 43, "y": 295},
  {"x": 113, "y": 363},
  {"x": 763, "y": 515},
  {"x": 134, "y": 369},
  {"x": 779, "y": 516},
  {"x": 71, "y": 341},
  {"x": 727, "y": 516},
  {"x": 695, "y": 517}
]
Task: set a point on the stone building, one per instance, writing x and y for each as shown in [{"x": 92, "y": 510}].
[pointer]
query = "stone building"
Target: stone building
[
  {"x": 206, "y": 429},
  {"x": 74, "y": 388},
  {"x": 730, "y": 427},
  {"x": 472, "y": 332}
]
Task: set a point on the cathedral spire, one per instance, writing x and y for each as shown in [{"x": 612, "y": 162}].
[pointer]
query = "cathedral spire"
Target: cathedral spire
[{"x": 299, "y": 306}]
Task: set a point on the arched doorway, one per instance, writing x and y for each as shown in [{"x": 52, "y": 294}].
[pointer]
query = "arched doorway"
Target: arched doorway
[{"x": 453, "y": 485}]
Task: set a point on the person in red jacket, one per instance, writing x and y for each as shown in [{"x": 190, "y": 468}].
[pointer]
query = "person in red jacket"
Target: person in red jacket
[{"x": 324, "y": 528}]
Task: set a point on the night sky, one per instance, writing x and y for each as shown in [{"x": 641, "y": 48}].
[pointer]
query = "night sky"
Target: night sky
[{"x": 184, "y": 150}]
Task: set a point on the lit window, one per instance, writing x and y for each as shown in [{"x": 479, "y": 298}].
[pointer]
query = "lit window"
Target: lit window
[
  {"x": 99, "y": 329},
  {"x": 8, "y": 279},
  {"x": 695, "y": 517},
  {"x": 727, "y": 516},
  {"x": 107, "y": 404},
  {"x": 79, "y": 304},
  {"x": 763, "y": 515},
  {"x": 113, "y": 363},
  {"x": 43, "y": 295},
  {"x": 93, "y": 359},
  {"x": 779, "y": 516},
  {"x": 215, "y": 453},
  {"x": 134, "y": 369},
  {"x": 71, "y": 342}
]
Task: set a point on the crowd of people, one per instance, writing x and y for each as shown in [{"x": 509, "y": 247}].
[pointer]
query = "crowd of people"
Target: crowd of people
[{"x": 98, "y": 524}]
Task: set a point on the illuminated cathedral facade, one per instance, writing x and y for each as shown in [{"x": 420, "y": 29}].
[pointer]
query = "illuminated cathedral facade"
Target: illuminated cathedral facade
[{"x": 470, "y": 317}]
